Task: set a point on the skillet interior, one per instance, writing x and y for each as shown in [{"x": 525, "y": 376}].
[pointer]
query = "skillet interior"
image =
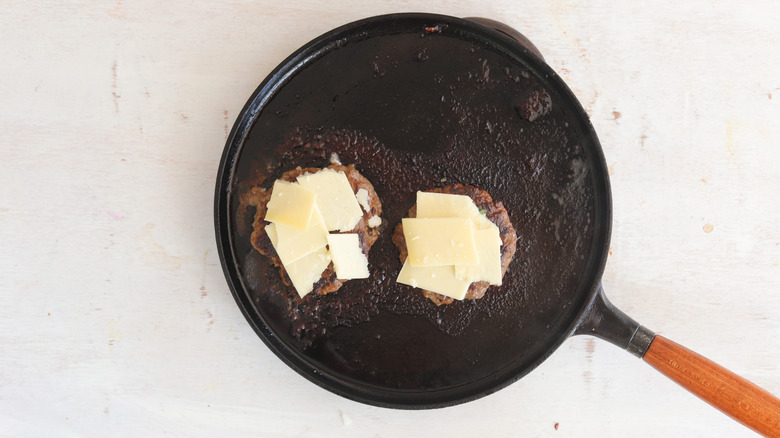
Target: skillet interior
[{"x": 415, "y": 102}]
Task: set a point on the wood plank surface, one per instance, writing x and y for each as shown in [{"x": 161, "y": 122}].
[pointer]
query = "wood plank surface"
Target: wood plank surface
[{"x": 116, "y": 319}]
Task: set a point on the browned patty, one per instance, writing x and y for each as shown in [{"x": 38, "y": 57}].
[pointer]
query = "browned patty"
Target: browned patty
[
  {"x": 494, "y": 211},
  {"x": 259, "y": 197}
]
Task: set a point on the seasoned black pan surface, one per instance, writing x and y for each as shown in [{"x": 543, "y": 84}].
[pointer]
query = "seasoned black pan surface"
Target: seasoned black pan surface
[{"x": 416, "y": 102}]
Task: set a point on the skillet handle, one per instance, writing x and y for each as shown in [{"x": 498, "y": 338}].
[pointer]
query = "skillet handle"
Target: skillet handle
[{"x": 730, "y": 393}]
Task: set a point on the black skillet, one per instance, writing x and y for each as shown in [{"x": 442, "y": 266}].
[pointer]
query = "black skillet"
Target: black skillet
[{"x": 418, "y": 101}]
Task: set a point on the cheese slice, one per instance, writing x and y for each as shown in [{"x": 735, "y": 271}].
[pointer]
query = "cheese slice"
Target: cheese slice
[
  {"x": 481, "y": 222},
  {"x": 433, "y": 205},
  {"x": 349, "y": 262},
  {"x": 335, "y": 198},
  {"x": 439, "y": 279},
  {"x": 270, "y": 229},
  {"x": 290, "y": 205},
  {"x": 440, "y": 241},
  {"x": 488, "y": 244},
  {"x": 306, "y": 271},
  {"x": 293, "y": 244}
]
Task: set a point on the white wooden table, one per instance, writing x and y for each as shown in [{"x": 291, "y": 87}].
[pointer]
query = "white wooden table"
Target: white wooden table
[{"x": 115, "y": 317}]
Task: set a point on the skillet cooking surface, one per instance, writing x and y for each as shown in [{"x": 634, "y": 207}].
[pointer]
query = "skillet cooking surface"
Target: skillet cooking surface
[{"x": 417, "y": 102}]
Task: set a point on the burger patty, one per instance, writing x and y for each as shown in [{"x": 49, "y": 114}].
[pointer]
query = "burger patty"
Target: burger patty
[
  {"x": 259, "y": 197},
  {"x": 494, "y": 211}
]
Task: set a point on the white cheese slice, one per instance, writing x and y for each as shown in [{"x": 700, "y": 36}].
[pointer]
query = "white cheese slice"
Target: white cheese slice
[
  {"x": 440, "y": 241},
  {"x": 362, "y": 198},
  {"x": 306, "y": 271},
  {"x": 375, "y": 221},
  {"x": 432, "y": 205},
  {"x": 270, "y": 229},
  {"x": 489, "y": 250},
  {"x": 290, "y": 205},
  {"x": 481, "y": 222},
  {"x": 439, "y": 279},
  {"x": 293, "y": 244},
  {"x": 335, "y": 198},
  {"x": 349, "y": 262}
]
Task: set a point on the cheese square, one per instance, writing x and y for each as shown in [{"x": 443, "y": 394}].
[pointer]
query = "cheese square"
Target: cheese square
[
  {"x": 293, "y": 244},
  {"x": 270, "y": 230},
  {"x": 489, "y": 250},
  {"x": 440, "y": 241},
  {"x": 306, "y": 271},
  {"x": 443, "y": 205},
  {"x": 439, "y": 279},
  {"x": 481, "y": 222},
  {"x": 433, "y": 205},
  {"x": 335, "y": 198},
  {"x": 349, "y": 262},
  {"x": 290, "y": 205}
]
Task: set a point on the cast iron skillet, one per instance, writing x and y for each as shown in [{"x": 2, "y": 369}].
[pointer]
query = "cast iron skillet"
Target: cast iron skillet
[{"x": 418, "y": 101}]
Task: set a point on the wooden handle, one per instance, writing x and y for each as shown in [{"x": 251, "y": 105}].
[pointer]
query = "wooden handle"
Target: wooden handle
[{"x": 733, "y": 395}]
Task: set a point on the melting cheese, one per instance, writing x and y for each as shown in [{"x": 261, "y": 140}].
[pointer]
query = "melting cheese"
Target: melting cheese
[
  {"x": 488, "y": 244},
  {"x": 430, "y": 205},
  {"x": 270, "y": 229},
  {"x": 293, "y": 244},
  {"x": 362, "y": 198},
  {"x": 375, "y": 221},
  {"x": 349, "y": 262},
  {"x": 302, "y": 213},
  {"x": 335, "y": 198},
  {"x": 450, "y": 245},
  {"x": 440, "y": 241},
  {"x": 439, "y": 279},
  {"x": 290, "y": 205},
  {"x": 306, "y": 271}
]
